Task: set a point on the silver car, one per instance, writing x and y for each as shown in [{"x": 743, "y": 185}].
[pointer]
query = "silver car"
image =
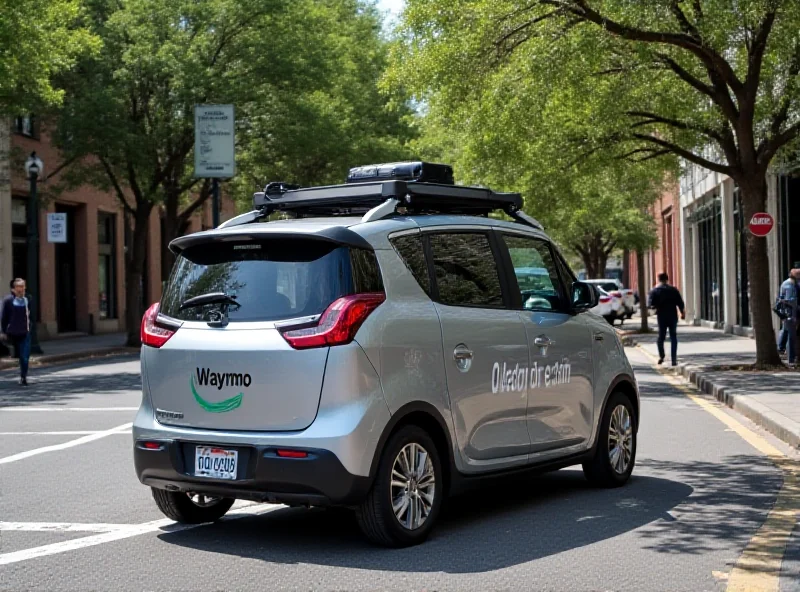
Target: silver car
[{"x": 376, "y": 348}]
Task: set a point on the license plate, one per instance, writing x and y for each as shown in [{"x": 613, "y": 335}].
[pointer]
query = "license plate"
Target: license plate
[{"x": 215, "y": 462}]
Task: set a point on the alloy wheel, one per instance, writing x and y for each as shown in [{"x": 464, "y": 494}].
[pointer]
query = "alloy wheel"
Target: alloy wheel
[
  {"x": 413, "y": 486},
  {"x": 620, "y": 439}
]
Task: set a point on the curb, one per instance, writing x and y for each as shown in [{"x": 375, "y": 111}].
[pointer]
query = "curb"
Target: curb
[
  {"x": 50, "y": 360},
  {"x": 775, "y": 423}
]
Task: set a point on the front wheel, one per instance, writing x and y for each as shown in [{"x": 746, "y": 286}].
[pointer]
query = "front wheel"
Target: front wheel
[
  {"x": 404, "y": 502},
  {"x": 615, "y": 452},
  {"x": 191, "y": 508}
]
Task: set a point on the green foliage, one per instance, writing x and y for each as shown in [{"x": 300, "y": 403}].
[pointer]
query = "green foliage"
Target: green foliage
[
  {"x": 38, "y": 39},
  {"x": 302, "y": 75}
]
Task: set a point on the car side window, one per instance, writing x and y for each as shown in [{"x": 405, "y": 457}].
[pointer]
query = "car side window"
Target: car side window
[
  {"x": 465, "y": 269},
  {"x": 412, "y": 252},
  {"x": 536, "y": 272}
]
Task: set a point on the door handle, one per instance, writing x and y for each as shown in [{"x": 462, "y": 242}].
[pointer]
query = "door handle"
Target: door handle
[
  {"x": 599, "y": 337},
  {"x": 463, "y": 357},
  {"x": 543, "y": 341},
  {"x": 462, "y": 353}
]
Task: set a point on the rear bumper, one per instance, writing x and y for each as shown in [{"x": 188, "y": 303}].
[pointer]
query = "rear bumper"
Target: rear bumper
[{"x": 319, "y": 480}]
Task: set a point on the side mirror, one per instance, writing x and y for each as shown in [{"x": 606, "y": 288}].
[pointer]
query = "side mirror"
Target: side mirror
[{"x": 584, "y": 297}]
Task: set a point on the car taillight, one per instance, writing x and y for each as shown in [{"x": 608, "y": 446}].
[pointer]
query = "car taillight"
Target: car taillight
[
  {"x": 151, "y": 333},
  {"x": 616, "y": 294},
  {"x": 605, "y": 299},
  {"x": 338, "y": 325}
]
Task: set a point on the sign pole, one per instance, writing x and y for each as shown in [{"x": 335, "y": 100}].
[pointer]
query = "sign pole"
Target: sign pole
[
  {"x": 33, "y": 263},
  {"x": 215, "y": 201},
  {"x": 214, "y": 149}
]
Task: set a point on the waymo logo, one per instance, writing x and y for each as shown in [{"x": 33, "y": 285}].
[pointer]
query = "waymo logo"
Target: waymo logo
[{"x": 205, "y": 377}]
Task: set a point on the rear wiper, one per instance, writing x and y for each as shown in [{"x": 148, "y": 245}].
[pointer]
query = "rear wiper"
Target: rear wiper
[{"x": 210, "y": 298}]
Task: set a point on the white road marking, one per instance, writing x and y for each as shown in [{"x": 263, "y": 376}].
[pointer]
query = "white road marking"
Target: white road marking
[
  {"x": 4, "y": 409},
  {"x": 68, "y": 433},
  {"x": 125, "y": 531},
  {"x": 60, "y": 527},
  {"x": 64, "y": 445}
]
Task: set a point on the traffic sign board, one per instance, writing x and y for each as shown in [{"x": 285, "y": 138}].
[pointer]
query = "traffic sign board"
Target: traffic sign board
[{"x": 761, "y": 224}]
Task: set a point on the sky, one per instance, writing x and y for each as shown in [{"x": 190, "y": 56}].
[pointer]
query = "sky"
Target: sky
[{"x": 392, "y": 9}]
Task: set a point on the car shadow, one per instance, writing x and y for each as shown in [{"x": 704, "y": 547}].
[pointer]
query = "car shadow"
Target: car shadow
[
  {"x": 55, "y": 385},
  {"x": 505, "y": 523}
]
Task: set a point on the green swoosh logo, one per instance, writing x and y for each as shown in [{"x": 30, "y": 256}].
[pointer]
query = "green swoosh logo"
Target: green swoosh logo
[{"x": 221, "y": 407}]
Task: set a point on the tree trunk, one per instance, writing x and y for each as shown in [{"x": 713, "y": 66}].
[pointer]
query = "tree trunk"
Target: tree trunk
[
  {"x": 626, "y": 268},
  {"x": 754, "y": 200},
  {"x": 642, "y": 290},
  {"x": 169, "y": 231},
  {"x": 134, "y": 271}
]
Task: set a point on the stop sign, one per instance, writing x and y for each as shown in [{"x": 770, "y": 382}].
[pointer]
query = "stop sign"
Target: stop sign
[{"x": 761, "y": 224}]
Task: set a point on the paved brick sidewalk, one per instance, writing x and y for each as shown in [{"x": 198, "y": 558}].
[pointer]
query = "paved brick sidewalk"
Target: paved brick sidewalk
[
  {"x": 771, "y": 399},
  {"x": 73, "y": 348}
]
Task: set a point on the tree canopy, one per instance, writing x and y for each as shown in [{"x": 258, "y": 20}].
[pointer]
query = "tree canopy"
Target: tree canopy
[
  {"x": 38, "y": 39},
  {"x": 713, "y": 82}
]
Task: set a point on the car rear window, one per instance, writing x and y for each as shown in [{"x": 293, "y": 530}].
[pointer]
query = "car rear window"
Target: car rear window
[
  {"x": 270, "y": 280},
  {"x": 609, "y": 287}
]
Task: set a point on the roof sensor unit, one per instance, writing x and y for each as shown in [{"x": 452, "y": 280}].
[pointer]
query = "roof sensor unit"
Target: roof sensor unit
[{"x": 423, "y": 172}]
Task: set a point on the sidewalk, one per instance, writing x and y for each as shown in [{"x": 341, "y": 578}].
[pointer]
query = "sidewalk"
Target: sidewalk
[
  {"x": 74, "y": 348},
  {"x": 771, "y": 399}
]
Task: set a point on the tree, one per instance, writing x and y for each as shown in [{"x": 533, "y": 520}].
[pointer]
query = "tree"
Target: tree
[
  {"x": 713, "y": 82},
  {"x": 38, "y": 40},
  {"x": 132, "y": 106}
]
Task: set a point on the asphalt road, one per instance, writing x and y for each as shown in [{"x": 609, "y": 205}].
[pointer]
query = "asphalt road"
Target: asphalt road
[{"x": 74, "y": 517}]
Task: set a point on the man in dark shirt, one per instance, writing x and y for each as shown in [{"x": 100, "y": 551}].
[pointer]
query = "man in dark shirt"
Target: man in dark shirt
[
  {"x": 667, "y": 301},
  {"x": 15, "y": 322}
]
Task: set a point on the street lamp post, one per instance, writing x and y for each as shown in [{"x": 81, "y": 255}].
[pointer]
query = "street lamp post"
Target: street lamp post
[{"x": 33, "y": 168}]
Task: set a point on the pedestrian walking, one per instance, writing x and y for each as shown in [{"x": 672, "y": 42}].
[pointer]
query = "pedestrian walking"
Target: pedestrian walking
[
  {"x": 667, "y": 301},
  {"x": 789, "y": 297},
  {"x": 15, "y": 323}
]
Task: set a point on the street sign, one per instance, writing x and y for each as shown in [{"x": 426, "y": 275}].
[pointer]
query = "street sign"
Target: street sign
[
  {"x": 761, "y": 224},
  {"x": 214, "y": 141},
  {"x": 56, "y": 228}
]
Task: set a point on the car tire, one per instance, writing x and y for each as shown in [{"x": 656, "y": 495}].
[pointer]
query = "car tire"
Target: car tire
[
  {"x": 180, "y": 507},
  {"x": 606, "y": 468},
  {"x": 376, "y": 515},
  {"x": 609, "y": 320}
]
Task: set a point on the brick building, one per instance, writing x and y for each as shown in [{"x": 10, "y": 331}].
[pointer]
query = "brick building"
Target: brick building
[
  {"x": 81, "y": 281},
  {"x": 666, "y": 257}
]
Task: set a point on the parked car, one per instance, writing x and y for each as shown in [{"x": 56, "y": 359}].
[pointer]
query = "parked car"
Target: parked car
[
  {"x": 385, "y": 345},
  {"x": 604, "y": 307},
  {"x": 614, "y": 287}
]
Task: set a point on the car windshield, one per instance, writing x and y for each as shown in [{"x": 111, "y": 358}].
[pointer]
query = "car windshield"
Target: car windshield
[{"x": 609, "y": 286}]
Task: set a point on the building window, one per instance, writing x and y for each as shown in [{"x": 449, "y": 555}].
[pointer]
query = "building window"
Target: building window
[
  {"x": 708, "y": 218},
  {"x": 26, "y": 126},
  {"x": 106, "y": 277}
]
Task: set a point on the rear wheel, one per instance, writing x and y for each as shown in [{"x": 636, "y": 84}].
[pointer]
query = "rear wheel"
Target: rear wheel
[
  {"x": 615, "y": 453},
  {"x": 191, "y": 508},
  {"x": 404, "y": 502}
]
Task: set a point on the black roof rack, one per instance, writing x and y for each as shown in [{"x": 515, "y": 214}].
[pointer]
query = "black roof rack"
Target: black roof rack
[
  {"x": 378, "y": 198},
  {"x": 414, "y": 196}
]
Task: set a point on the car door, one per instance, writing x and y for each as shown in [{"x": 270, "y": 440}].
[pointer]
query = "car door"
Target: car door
[
  {"x": 485, "y": 348},
  {"x": 560, "y": 391}
]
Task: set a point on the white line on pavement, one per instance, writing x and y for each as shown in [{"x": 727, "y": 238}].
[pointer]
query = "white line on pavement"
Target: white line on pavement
[
  {"x": 164, "y": 525},
  {"x": 3, "y": 409},
  {"x": 63, "y": 445},
  {"x": 61, "y": 527},
  {"x": 68, "y": 433}
]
